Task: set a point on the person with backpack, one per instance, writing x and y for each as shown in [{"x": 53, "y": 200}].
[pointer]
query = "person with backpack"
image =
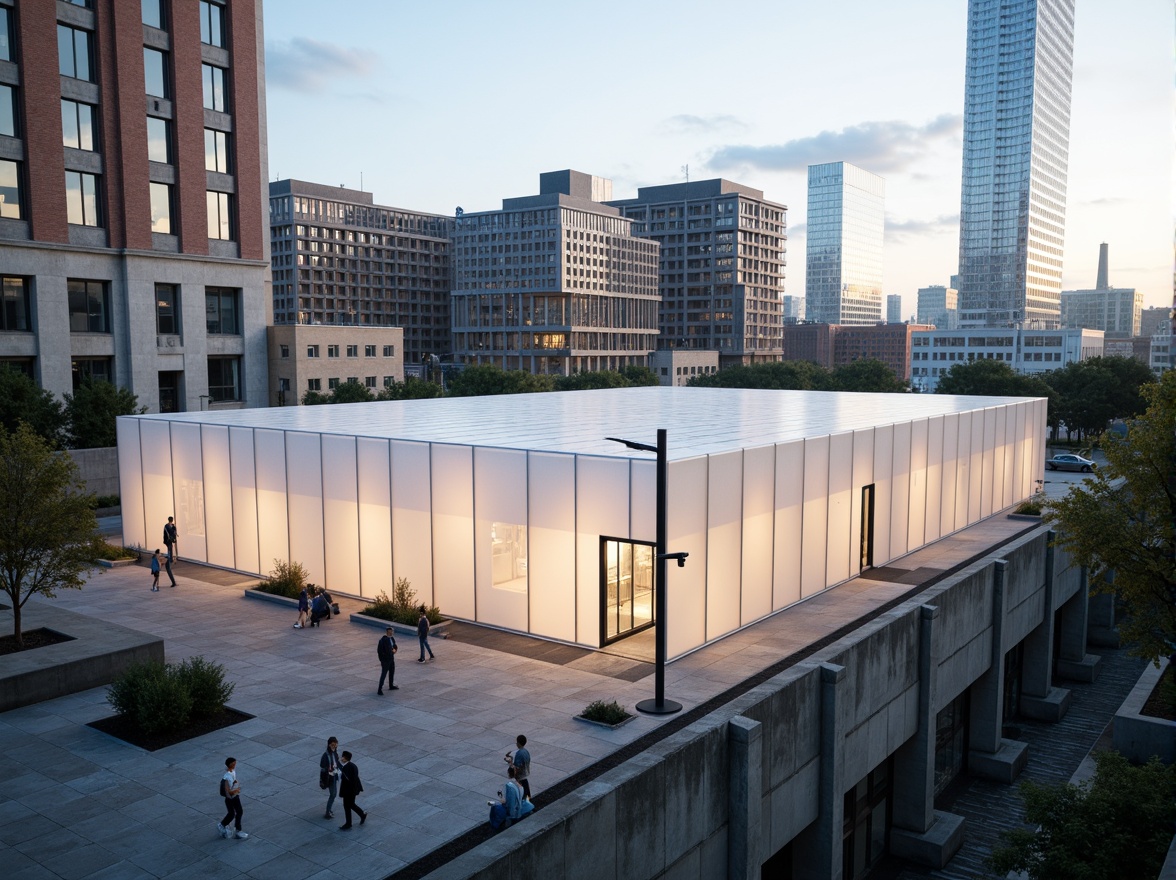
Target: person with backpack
[
  {"x": 155, "y": 572},
  {"x": 230, "y": 790},
  {"x": 423, "y": 635},
  {"x": 171, "y": 540}
]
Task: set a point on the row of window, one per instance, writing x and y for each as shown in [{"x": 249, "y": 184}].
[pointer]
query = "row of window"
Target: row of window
[
  {"x": 369, "y": 351},
  {"x": 332, "y": 384}
]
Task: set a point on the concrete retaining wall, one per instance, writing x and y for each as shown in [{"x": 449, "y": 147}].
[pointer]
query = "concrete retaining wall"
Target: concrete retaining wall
[
  {"x": 1137, "y": 736},
  {"x": 98, "y": 468}
]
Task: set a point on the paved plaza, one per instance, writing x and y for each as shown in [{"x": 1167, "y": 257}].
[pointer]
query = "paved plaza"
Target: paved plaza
[{"x": 80, "y": 803}]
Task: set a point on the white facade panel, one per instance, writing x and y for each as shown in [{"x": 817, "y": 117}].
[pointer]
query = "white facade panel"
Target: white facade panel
[
  {"x": 452, "y": 470},
  {"x": 841, "y": 492},
  {"x": 551, "y": 544},
  {"x": 412, "y": 520},
  {"x": 863, "y": 475},
  {"x": 218, "y": 495},
  {"x": 188, "y": 479},
  {"x": 304, "y": 482},
  {"x": 988, "y": 463},
  {"x": 686, "y": 522},
  {"x": 273, "y": 529},
  {"x": 341, "y": 545},
  {"x": 500, "y": 537},
  {"x": 788, "y": 528},
  {"x": 963, "y": 469},
  {"x": 976, "y": 468},
  {"x": 374, "y": 501},
  {"x": 900, "y": 490},
  {"x": 814, "y": 529},
  {"x": 602, "y": 509},
  {"x": 158, "y": 483},
  {"x": 759, "y": 501},
  {"x": 917, "y": 493},
  {"x": 948, "y": 482},
  {"x": 643, "y": 503},
  {"x": 245, "y": 522},
  {"x": 932, "y": 521},
  {"x": 130, "y": 484},
  {"x": 724, "y": 541}
]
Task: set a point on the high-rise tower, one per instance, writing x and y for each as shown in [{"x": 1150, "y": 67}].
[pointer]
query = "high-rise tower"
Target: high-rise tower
[
  {"x": 846, "y": 220},
  {"x": 1016, "y": 143}
]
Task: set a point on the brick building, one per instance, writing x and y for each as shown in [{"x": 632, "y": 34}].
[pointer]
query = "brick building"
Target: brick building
[
  {"x": 833, "y": 345},
  {"x": 132, "y": 179}
]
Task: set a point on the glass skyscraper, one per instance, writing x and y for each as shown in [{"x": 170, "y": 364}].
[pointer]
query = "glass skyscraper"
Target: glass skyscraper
[
  {"x": 846, "y": 220},
  {"x": 1016, "y": 142}
]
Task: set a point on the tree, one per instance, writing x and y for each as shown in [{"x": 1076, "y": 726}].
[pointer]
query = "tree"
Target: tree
[
  {"x": 1117, "y": 825},
  {"x": 351, "y": 392},
  {"x": 315, "y": 398},
  {"x": 866, "y": 375},
  {"x": 992, "y": 378},
  {"x": 411, "y": 388},
  {"x": 1092, "y": 392},
  {"x": 781, "y": 375},
  {"x": 483, "y": 379},
  {"x": 48, "y": 531},
  {"x": 640, "y": 376},
  {"x": 90, "y": 413},
  {"x": 1119, "y": 524},
  {"x": 591, "y": 379},
  {"x": 23, "y": 400}
]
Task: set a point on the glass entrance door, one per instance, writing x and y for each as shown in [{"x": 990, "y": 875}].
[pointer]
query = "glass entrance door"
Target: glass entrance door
[{"x": 626, "y": 588}]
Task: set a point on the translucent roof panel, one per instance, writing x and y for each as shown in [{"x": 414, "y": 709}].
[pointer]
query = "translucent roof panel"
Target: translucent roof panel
[{"x": 698, "y": 421}]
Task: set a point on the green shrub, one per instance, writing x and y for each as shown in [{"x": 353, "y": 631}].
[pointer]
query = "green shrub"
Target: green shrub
[
  {"x": 402, "y": 607},
  {"x": 285, "y": 579},
  {"x": 606, "y": 713},
  {"x": 164, "y": 705},
  {"x": 123, "y": 695},
  {"x": 110, "y": 552},
  {"x": 205, "y": 683},
  {"x": 1030, "y": 507},
  {"x": 108, "y": 501}
]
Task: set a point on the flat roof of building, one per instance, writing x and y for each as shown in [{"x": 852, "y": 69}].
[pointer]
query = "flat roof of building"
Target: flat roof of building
[{"x": 698, "y": 421}]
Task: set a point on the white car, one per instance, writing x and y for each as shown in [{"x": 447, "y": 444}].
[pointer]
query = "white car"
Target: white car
[{"x": 1070, "y": 462}]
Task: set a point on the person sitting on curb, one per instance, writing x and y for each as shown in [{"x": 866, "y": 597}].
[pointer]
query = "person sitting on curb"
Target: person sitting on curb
[
  {"x": 511, "y": 807},
  {"x": 320, "y": 609}
]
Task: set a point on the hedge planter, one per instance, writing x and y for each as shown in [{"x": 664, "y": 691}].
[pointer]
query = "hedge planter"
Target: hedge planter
[
  {"x": 272, "y": 597},
  {"x": 436, "y": 630},
  {"x": 603, "y": 724},
  {"x": 1140, "y": 736},
  {"x": 117, "y": 563}
]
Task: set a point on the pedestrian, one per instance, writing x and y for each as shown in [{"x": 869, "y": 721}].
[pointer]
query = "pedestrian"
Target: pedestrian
[
  {"x": 386, "y": 651},
  {"x": 231, "y": 791},
  {"x": 423, "y": 635},
  {"x": 320, "y": 609},
  {"x": 520, "y": 762},
  {"x": 511, "y": 806},
  {"x": 303, "y": 608},
  {"x": 155, "y": 571},
  {"x": 171, "y": 540},
  {"x": 349, "y": 788},
  {"x": 329, "y": 768}
]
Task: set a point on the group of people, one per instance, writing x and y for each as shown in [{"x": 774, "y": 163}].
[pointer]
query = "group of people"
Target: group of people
[
  {"x": 313, "y": 601},
  {"x": 339, "y": 775},
  {"x": 171, "y": 540},
  {"x": 514, "y": 798}
]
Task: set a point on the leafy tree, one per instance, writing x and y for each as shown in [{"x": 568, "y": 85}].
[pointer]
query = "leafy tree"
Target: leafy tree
[
  {"x": 591, "y": 379},
  {"x": 1119, "y": 523},
  {"x": 484, "y": 379},
  {"x": 351, "y": 392},
  {"x": 640, "y": 376},
  {"x": 1093, "y": 392},
  {"x": 784, "y": 375},
  {"x": 48, "y": 531},
  {"x": 1117, "y": 825},
  {"x": 90, "y": 413},
  {"x": 23, "y": 400},
  {"x": 411, "y": 388},
  {"x": 993, "y": 378},
  {"x": 867, "y": 374},
  {"x": 315, "y": 398}
]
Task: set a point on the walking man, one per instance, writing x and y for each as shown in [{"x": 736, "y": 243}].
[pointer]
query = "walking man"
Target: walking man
[
  {"x": 521, "y": 762},
  {"x": 386, "y": 651},
  {"x": 231, "y": 790},
  {"x": 171, "y": 539},
  {"x": 349, "y": 788},
  {"x": 329, "y": 770},
  {"x": 423, "y": 635}
]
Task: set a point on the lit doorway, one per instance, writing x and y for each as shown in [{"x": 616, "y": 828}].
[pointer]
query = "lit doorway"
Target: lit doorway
[
  {"x": 626, "y": 588},
  {"x": 867, "y": 539}
]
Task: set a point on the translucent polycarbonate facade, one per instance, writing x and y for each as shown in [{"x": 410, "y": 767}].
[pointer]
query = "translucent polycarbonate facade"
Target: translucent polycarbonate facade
[
  {"x": 1016, "y": 146},
  {"x": 846, "y": 222},
  {"x": 502, "y": 509}
]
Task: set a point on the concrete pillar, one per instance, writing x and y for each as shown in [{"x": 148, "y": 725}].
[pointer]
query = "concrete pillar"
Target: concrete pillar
[
  {"x": 818, "y": 847},
  {"x": 1103, "y": 629},
  {"x": 991, "y": 755},
  {"x": 1073, "y": 619},
  {"x": 1039, "y": 698},
  {"x": 745, "y": 748}
]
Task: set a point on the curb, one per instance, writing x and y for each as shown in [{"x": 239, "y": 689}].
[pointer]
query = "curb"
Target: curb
[
  {"x": 437, "y": 629},
  {"x": 604, "y": 725}
]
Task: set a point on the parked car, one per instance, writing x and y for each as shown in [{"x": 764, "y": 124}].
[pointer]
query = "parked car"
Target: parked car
[{"x": 1070, "y": 462}]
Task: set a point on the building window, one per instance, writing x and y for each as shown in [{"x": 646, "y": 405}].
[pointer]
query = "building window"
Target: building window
[
  {"x": 77, "y": 125},
  {"x": 214, "y": 88},
  {"x": 8, "y": 110},
  {"x": 161, "y": 208},
  {"x": 224, "y": 378},
  {"x": 222, "y": 315},
  {"x": 167, "y": 310},
  {"x": 212, "y": 24},
  {"x": 353, "y": 351},
  {"x": 75, "y": 49},
  {"x": 10, "y": 189},
  {"x": 89, "y": 306},
  {"x": 285, "y": 351},
  {"x": 5, "y": 33},
  {"x": 155, "y": 72},
  {"x": 81, "y": 198},
  {"x": 153, "y": 13},
  {"x": 93, "y": 369},
  {"x": 389, "y": 381},
  {"x": 369, "y": 351},
  {"x": 15, "y": 313},
  {"x": 332, "y": 384},
  {"x": 314, "y": 384},
  {"x": 369, "y": 381},
  {"x": 220, "y": 216},
  {"x": 216, "y": 151},
  {"x": 332, "y": 351},
  {"x": 159, "y": 148},
  {"x": 312, "y": 351},
  {"x": 389, "y": 351}
]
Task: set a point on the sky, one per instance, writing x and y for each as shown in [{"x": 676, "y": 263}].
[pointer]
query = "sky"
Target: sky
[{"x": 434, "y": 105}]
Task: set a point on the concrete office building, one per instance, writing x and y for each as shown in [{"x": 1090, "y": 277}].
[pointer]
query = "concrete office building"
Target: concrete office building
[
  {"x": 1160, "y": 353},
  {"x": 1016, "y": 143},
  {"x": 320, "y": 357},
  {"x": 938, "y": 306},
  {"x": 516, "y": 512},
  {"x": 339, "y": 258},
  {"x": 1114, "y": 310},
  {"x": 721, "y": 275},
  {"x": 935, "y": 352},
  {"x": 677, "y": 366},
  {"x": 132, "y": 179},
  {"x": 555, "y": 283},
  {"x": 843, "y": 255},
  {"x": 793, "y": 308},
  {"x": 893, "y": 308},
  {"x": 834, "y": 345},
  {"x": 1155, "y": 320}
]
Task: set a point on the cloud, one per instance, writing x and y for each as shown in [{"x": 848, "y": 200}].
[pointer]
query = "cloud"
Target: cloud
[
  {"x": 876, "y": 146},
  {"x": 899, "y": 230},
  {"x": 305, "y": 65},
  {"x": 685, "y": 123}
]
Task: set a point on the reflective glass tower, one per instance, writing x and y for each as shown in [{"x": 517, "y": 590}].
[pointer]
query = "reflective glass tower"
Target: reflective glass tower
[
  {"x": 846, "y": 219},
  {"x": 1016, "y": 141}
]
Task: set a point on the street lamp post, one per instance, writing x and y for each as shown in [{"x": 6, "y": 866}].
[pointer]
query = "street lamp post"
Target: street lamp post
[{"x": 659, "y": 705}]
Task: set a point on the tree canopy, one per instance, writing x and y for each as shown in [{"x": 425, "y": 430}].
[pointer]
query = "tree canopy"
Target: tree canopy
[
  {"x": 1119, "y": 523},
  {"x": 860, "y": 375},
  {"x": 23, "y": 400},
  {"x": 482, "y": 379},
  {"x": 411, "y": 388},
  {"x": 48, "y": 530},
  {"x": 90, "y": 413},
  {"x": 1092, "y": 392}
]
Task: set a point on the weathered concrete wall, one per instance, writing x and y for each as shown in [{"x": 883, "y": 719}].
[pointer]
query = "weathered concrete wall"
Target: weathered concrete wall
[
  {"x": 670, "y": 811},
  {"x": 98, "y": 468}
]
